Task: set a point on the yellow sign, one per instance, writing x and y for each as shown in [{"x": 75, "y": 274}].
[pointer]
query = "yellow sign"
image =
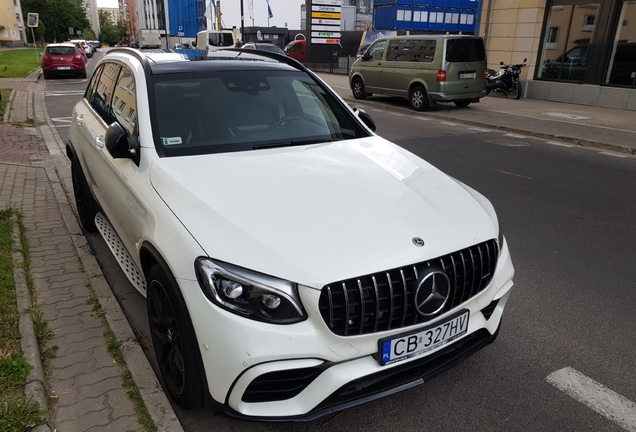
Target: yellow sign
[{"x": 333, "y": 15}]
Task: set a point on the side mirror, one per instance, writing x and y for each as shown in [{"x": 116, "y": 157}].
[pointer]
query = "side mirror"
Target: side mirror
[
  {"x": 366, "y": 118},
  {"x": 525, "y": 60},
  {"x": 366, "y": 56},
  {"x": 117, "y": 143},
  {"x": 501, "y": 63}
]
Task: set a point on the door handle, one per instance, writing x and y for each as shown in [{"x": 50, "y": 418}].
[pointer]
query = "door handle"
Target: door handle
[
  {"x": 99, "y": 141},
  {"x": 79, "y": 118}
]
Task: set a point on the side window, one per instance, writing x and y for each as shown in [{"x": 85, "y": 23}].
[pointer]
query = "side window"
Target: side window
[
  {"x": 102, "y": 97},
  {"x": 92, "y": 86},
  {"x": 411, "y": 50},
  {"x": 124, "y": 106},
  {"x": 376, "y": 50}
]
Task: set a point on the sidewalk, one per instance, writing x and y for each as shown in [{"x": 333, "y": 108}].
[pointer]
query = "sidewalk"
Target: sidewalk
[
  {"x": 589, "y": 126},
  {"x": 83, "y": 384}
]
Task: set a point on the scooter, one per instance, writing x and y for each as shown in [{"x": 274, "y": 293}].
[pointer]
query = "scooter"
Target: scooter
[{"x": 506, "y": 80}]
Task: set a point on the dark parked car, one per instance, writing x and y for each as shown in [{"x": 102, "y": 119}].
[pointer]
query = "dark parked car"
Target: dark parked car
[{"x": 62, "y": 59}]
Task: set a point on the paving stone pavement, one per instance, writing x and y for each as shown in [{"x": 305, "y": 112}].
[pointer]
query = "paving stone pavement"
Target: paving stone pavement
[{"x": 83, "y": 382}]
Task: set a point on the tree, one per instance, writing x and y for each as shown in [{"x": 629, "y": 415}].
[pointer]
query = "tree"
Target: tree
[
  {"x": 109, "y": 32},
  {"x": 60, "y": 16}
]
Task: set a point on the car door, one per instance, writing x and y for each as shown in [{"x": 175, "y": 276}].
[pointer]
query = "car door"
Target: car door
[
  {"x": 371, "y": 67},
  {"x": 111, "y": 99}
]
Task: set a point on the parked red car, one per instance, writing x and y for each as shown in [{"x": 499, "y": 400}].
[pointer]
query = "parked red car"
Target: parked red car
[{"x": 63, "y": 59}]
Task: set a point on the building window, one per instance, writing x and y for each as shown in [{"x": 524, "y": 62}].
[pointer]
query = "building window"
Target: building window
[
  {"x": 565, "y": 54},
  {"x": 621, "y": 69}
]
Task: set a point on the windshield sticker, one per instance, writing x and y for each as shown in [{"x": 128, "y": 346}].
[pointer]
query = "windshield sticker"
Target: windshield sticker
[{"x": 171, "y": 141}]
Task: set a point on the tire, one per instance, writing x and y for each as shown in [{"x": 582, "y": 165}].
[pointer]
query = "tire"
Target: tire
[
  {"x": 46, "y": 75},
  {"x": 174, "y": 341},
  {"x": 462, "y": 103},
  {"x": 83, "y": 74},
  {"x": 516, "y": 92},
  {"x": 418, "y": 98},
  {"x": 357, "y": 87},
  {"x": 87, "y": 207}
]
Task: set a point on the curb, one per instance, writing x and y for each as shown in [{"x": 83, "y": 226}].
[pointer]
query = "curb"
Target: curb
[
  {"x": 35, "y": 389},
  {"x": 150, "y": 388}
]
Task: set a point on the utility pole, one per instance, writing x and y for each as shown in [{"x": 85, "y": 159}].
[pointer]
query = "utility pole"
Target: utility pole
[{"x": 242, "y": 23}]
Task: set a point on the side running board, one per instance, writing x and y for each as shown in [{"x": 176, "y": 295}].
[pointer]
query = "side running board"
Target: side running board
[{"x": 134, "y": 275}]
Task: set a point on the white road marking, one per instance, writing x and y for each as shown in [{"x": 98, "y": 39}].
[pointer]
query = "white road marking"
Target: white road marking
[
  {"x": 479, "y": 129},
  {"x": 555, "y": 143},
  {"x": 448, "y": 123},
  {"x": 421, "y": 118},
  {"x": 61, "y": 119},
  {"x": 596, "y": 396},
  {"x": 65, "y": 93},
  {"x": 515, "y": 135},
  {"x": 566, "y": 116},
  {"x": 618, "y": 155},
  {"x": 396, "y": 114},
  {"x": 514, "y": 175}
]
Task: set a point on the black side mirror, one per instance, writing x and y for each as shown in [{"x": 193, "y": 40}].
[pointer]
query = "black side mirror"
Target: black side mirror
[
  {"x": 366, "y": 56},
  {"x": 366, "y": 118},
  {"x": 117, "y": 143},
  {"x": 501, "y": 63},
  {"x": 525, "y": 60}
]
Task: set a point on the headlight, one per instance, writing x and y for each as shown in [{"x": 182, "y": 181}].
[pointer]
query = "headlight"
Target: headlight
[
  {"x": 500, "y": 240},
  {"x": 248, "y": 293}
]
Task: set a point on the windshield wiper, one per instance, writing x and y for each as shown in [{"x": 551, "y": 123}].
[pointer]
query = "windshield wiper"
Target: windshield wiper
[{"x": 290, "y": 143}]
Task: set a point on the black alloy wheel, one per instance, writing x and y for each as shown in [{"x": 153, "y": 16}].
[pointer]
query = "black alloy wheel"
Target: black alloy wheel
[
  {"x": 174, "y": 342},
  {"x": 87, "y": 207}
]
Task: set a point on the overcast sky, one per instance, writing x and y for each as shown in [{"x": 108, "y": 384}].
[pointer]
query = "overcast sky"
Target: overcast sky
[{"x": 284, "y": 11}]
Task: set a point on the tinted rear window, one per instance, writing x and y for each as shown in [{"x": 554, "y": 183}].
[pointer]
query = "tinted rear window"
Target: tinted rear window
[
  {"x": 60, "y": 50},
  {"x": 465, "y": 50}
]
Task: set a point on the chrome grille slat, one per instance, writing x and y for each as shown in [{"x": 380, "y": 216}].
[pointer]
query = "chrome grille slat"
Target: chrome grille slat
[
  {"x": 469, "y": 270},
  {"x": 405, "y": 298},
  {"x": 388, "y": 278},
  {"x": 346, "y": 305},
  {"x": 361, "y": 306}
]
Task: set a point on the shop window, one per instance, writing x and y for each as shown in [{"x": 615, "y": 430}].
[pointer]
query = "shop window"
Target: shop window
[
  {"x": 565, "y": 54},
  {"x": 622, "y": 65}
]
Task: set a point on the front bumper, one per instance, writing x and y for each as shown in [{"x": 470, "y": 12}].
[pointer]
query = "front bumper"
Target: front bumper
[{"x": 303, "y": 371}]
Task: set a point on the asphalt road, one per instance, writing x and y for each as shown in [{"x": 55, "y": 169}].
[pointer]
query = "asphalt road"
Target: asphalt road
[{"x": 568, "y": 214}]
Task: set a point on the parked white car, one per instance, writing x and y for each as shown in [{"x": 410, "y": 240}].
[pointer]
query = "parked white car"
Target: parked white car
[
  {"x": 294, "y": 262},
  {"x": 88, "y": 48}
]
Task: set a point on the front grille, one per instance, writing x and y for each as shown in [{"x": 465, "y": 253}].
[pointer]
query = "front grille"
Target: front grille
[{"x": 384, "y": 301}]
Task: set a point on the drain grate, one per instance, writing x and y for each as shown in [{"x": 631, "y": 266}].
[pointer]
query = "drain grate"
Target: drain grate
[{"x": 121, "y": 254}]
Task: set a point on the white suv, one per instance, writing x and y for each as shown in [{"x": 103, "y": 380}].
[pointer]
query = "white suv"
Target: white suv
[{"x": 294, "y": 262}]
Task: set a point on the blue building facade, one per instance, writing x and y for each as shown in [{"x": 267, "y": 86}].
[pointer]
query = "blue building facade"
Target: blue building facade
[
  {"x": 427, "y": 15},
  {"x": 186, "y": 16}
]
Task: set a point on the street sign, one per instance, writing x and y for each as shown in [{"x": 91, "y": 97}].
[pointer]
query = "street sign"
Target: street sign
[
  {"x": 32, "y": 19},
  {"x": 70, "y": 30},
  {"x": 326, "y": 16},
  {"x": 180, "y": 28},
  {"x": 180, "y": 34}
]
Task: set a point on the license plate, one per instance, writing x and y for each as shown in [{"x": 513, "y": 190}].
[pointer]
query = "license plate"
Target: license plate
[
  {"x": 424, "y": 341},
  {"x": 470, "y": 75},
  {"x": 64, "y": 68}
]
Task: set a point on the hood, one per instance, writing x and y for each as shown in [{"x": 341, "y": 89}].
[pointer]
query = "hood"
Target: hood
[{"x": 321, "y": 213}]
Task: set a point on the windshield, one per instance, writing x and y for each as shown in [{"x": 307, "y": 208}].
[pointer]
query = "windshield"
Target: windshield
[
  {"x": 220, "y": 39},
  {"x": 226, "y": 111}
]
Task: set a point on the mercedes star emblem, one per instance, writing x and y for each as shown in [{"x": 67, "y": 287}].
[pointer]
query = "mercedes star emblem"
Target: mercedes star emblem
[
  {"x": 432, "y": 292},
  {"x": 418, "y": 242}
]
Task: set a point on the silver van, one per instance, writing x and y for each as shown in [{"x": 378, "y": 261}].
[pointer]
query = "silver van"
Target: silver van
[{"x": 423, "y": 68}]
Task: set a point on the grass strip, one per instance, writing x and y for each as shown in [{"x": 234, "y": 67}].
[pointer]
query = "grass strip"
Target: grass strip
[{"x": 15, "y": 413}]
